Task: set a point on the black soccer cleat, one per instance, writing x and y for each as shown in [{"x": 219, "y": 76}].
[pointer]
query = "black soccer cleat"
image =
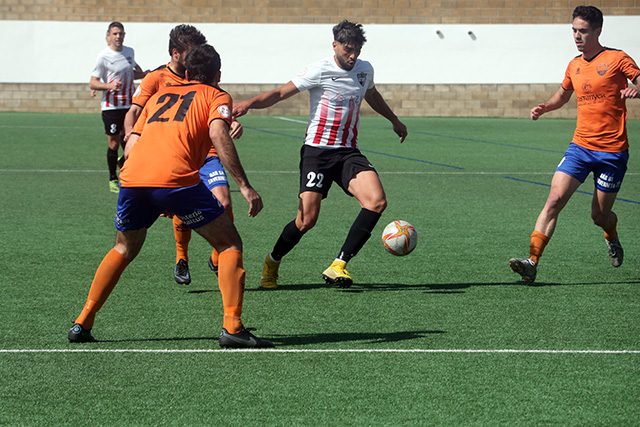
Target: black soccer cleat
[
  {"x": 243, "y": 339},
  {"x": 78, "y": 334},
  {"x": 181, "y": 273}
]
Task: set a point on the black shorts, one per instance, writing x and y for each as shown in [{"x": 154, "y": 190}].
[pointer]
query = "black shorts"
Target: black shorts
[
  {"x": 114, "y": 121},
  {"x": 320, "y": 167}
]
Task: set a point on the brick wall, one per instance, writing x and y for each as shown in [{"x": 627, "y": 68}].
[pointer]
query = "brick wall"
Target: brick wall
[
  {"x": 310, "y": 11},
  {"x": 483, "y": 100},
  {"x": 491, "y": 100}
]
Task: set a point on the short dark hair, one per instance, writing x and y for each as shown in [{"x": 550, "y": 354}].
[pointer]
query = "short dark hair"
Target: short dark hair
[
  {"x": 184, "y": 37},
  {"x": 202, "y": 63},
  {"x": 591, "y": 14},
  {"x": 115, "y": 24},
  {"x": 347, "y": 32}
]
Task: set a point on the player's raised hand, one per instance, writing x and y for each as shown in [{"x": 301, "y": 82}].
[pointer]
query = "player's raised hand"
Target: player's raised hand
[{"x": 537, "y": 111}]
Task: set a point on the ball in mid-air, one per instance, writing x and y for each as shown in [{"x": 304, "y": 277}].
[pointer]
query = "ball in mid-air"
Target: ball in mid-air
[{"x": 399, "y": 238}]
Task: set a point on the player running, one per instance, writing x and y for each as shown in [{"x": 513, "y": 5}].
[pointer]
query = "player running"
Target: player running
[{"x": 599, "y": 77}]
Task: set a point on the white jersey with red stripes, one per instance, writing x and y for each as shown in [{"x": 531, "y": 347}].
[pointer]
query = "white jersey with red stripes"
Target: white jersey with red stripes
[
  {"x": 335, "y": 97},
  {"x": 113, "y": 65}
]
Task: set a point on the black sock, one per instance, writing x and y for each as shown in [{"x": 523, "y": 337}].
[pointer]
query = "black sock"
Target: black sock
[
  {"x": 359, "y": 234},
  {"x": 289, "y": 237},
  {"x": 112, "y": 162}
]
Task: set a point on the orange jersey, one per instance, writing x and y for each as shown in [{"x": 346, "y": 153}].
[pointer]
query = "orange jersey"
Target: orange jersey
[
  {"x": 602, "y": 114},
  {"x": 174, "y": 136},
  {"x": 159, "y": 78}
]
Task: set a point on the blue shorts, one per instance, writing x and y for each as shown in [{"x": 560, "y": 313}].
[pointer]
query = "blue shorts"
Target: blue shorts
[
  {"x": 608, "y": 168},
  {"x": 139, "y": 207},
  {"x": 212, "y": 173}
]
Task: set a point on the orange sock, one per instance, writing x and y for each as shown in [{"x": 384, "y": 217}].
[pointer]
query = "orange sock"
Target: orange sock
[
  {"x": 215, "y": 254},
  {"x": 104, "y": 281},
  {"x": 183, "y": 236},
  {"x": 612, "y": 232},
  {"x": 231, "y": 282},
  {"x": 537, "y": 245}
]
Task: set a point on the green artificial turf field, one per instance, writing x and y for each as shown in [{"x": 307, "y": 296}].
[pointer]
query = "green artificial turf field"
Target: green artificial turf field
[{"x": 444, "y": 336}]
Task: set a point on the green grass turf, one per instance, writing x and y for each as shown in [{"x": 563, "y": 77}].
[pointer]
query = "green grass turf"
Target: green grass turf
[{"x": 471, "y": 187}]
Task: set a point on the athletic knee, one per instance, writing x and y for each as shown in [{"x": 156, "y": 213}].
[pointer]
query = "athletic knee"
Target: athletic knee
[
  {"x": 600, "y": 219},
  {"x": 376, "y": 205},
  {"x": 555, "y": 203},
  {"x": 307, "y": 223}
]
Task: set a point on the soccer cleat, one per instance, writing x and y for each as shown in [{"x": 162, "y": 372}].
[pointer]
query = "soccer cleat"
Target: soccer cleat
[
  {"x": 525, "y": 267},
  {"x": 121, "y": 161},
  {"x": 181, "y": 273},
  {"x": 114, "y": 187},
  {"x": 78, "y": 334},
  {"x": 616, "y": 254},
  {"x": 269, "y": 278},
  {"x": 213, "y": 267},
  {"x": 337, "y": 275},
  {"x": 243, "y": 339}
]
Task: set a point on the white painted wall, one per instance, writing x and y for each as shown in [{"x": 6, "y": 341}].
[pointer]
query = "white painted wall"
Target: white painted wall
[{"x": 64, "y": 52}]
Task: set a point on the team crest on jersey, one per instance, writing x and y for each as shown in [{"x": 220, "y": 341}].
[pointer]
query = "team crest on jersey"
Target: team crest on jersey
[
  {"x": 362, "y": 78},
  {"x": 602, "y": 68},
  {"x": 303, "y": 72},
  {"x": 587, "y": 87},
  {"x": 224, "y": 111}
]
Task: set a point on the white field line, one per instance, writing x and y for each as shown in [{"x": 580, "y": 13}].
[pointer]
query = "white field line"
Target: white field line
[
  {"x": 389, "y": 350},
  {"x": 286, "y": 119}
]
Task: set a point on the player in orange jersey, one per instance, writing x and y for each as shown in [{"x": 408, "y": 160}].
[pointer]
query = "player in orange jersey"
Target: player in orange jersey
[
  {"x": 168, "y": 146},
  {"x": 600, "y": 79},
  {"x": 182, "y": 39}
]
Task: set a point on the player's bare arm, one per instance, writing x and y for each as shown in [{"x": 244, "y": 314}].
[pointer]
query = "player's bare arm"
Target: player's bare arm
[
  {"x": 138, "y": 73},
  {"x": 96, "y": 84},
  {"x": 219, "y": 134},
  {"x": 380, "y": 106},
  {"x": 133, "y": 138},
  {"x": 265, "y": 100},
  {"x": 561, "y": 97},
  {"x": 130, "y": 120}
]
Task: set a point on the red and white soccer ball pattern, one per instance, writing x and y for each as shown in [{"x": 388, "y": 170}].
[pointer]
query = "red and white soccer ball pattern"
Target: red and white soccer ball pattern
[{"x": 399, "y": 238}]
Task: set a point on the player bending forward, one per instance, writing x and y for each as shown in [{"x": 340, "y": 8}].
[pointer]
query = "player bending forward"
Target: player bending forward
[
  {"x": 169, "y": 143},
  {"x": 337, "y": 85},
  {"x": 599, "y": 77}
]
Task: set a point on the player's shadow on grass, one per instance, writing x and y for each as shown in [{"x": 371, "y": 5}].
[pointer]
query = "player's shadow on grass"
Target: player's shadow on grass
[
  {"x": 305, "y": 339},
  {"x": 342, "y": 337},
  {"x": 432, "y": 288}
]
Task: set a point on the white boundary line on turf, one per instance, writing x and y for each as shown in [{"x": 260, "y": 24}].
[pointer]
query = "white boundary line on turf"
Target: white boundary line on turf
[
  {"x": 389, "y": 350},
  {"x": 286, "y": 119}
]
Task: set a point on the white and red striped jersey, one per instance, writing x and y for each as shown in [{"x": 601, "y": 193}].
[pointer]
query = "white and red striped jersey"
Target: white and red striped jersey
[
  {"x": 335, "y": 97},
  {"x": 113, "y": 65}
]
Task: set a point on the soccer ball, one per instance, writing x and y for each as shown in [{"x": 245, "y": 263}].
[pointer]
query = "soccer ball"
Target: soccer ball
[{"x": 399, "y": 238}]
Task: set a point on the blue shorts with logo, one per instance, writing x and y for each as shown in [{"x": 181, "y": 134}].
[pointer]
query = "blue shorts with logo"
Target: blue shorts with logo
[
  {"x": 139, "y": 207},
  {"x": 608, "y": 168},
  {"x": 212, "y": 173}
]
